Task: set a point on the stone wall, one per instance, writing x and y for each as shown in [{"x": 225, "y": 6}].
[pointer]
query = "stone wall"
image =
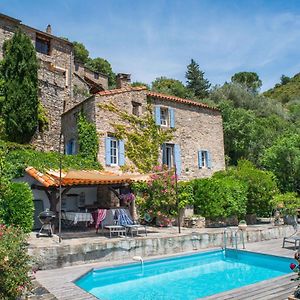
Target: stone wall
[
  {"x": 55, "y": 79},
  {"x": 87, "y": 250}
]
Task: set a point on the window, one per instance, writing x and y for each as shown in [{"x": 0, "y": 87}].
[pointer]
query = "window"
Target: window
[
  {"x": 171, "y": 156},
  {"x": 76, "y": 67},
  {"x": 136, "y": 108},
  {"x": 42, "y": 45},
  {"x": 96, "y": 75},
  {"x": 204, "y": 160},
  {"x": 70, "y": 147},
  {"x": 165, "y": 116},
  {"x": 114, "y": 152}
]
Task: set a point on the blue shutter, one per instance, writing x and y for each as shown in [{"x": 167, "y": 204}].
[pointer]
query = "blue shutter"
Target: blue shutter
[
  {"x": 208, "y": 160},
  {"x": 157, "y": 115},
  {"x": 121, "y": 153},
  {"x": 69, "y": 148},
  {"x": 107, "y": 151},
  {"x": 177, "y": 158},
  {"x": 164, "y": 154},
  {"x": 172, "y": 117},
  {"x": 200, "y": 159}
]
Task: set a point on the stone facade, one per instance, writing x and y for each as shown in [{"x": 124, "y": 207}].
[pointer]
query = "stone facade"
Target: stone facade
[
  {"x": 57, "y": 77},
  {"x": 196, "y": 127}
]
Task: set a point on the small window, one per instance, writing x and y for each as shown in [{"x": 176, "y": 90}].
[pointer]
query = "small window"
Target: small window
[
  {"x": 164, "y": 116},
  {"x": 96, "y": 75},
  {"x": 136, "y": 108},
  {"x": 76, "y": 67},
  {"x": 70, "y": 147},
  {"x": 114, "y": 152},
  {"x": 42, "y": 45}
]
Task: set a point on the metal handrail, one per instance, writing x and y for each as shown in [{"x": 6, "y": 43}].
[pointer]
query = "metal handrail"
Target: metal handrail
[{"x": 234, "y": 238}]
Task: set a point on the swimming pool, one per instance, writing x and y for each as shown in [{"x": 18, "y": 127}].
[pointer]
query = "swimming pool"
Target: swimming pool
[{"x": 186, "y": 277}]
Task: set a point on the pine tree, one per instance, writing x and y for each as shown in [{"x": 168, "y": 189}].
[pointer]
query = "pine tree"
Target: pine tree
[
  {"x": 196, "y": 81},
  {"x": 20, "y": 106}
]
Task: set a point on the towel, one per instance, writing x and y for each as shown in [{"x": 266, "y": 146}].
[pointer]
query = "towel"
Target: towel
[
  {"x": 100, "y": 217},
  {"x": 123, "y": 218}
]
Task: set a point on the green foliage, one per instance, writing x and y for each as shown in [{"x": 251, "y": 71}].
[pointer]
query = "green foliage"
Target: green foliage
[
  {"x": 43, "y": 120},
  {"x": 16, "y": 206},
  {"x": 261, "y": 187},
  {"x": 249, "y": 80},
  {"x": 88, "y": 138},
  {"x": 14, "y": 263},
  {"x": 138, "y": 83},
  {"x": 171, "y": 87},
  {"x": 143, "y": 138},
  {"x": 81, "y": 54},
  {"x": 284, "y": 79},
  {"x": 18, "y": 157},
  {"x": 196, "y": 81},
  {"x": 283, "y": 159},
  {"x": 288, "y": 203},
  {"x": 220, "y": 197},
  {"x": 185, "y": 193},
  {"x": 285, "y": 91},
  {"x": 101, "y": 65},
  {"x": 19, "y": 72}
]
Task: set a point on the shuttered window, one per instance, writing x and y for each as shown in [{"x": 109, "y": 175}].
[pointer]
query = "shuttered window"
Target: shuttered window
[
  {"x": 204, "y": 159},
  {"x": 114, "y": 152},
  {"x": 171, "y": 156},
  {"x": 164, "y": 116}
]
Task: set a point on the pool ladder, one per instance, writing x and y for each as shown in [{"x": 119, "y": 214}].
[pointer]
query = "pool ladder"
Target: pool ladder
[{"x": 234, "y": 238}]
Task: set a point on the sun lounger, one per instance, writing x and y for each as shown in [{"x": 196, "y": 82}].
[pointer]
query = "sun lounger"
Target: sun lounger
[
  {"x": 120, "y": 230},
  {"x": 135, "y": 228},
  {"x": 293, "y": 239}
]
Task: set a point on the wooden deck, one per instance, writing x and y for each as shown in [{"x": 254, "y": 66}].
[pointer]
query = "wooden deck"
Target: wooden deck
[{"x": 59, "y": 282}]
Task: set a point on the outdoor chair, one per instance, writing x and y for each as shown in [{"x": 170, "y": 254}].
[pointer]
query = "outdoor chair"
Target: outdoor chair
[{"x": 293, "y": 238}]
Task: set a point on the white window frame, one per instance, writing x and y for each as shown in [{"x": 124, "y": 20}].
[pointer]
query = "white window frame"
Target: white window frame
[
  {"x": 114, "y": 158},
  {"x": 164, "y": 117},
  {"x": 169, "y": 156}
]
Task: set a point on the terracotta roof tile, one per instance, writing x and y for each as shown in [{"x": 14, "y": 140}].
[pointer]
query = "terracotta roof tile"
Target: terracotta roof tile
[
  {"x": 51, "y": 178},
  {"x": 180, "y": 100},
  {"x": 122, "y": 90}
]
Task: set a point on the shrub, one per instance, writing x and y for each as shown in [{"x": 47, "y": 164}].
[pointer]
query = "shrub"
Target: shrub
[
  {"x": 17, "y": 206},
  {"x": 261, "y": 187},
  {"x": 14, "y": 263},
  {"x": 220, "y": 197},
  {"x": 288, "y": 203}
]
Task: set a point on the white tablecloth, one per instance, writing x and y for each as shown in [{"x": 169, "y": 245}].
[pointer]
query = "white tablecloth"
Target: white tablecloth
[{"x": 78, "y": 217}]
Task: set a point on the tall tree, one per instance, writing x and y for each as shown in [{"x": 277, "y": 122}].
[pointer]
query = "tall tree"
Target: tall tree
[
  {"x": 250, "y": 80},
  {"x": 101, "y": 65},
  {"x": 170, "y": 86},
  {"x": 196, "y": 81},
  {"x": 81, "y": 54},
  {"x": 20, "y": 88}
]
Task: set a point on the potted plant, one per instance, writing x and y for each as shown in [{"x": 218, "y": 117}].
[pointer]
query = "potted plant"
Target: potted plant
[
  {"x": 288, "y": 204},
  {"x": 242, "y": 225}
]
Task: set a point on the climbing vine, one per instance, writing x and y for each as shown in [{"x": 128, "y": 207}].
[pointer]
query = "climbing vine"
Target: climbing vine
[
  {"x": 88, "y": 138},
  {"x": 143, "y": 138}
]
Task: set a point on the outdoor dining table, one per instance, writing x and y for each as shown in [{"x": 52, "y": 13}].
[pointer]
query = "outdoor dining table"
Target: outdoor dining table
[{"x": 76, "y": 217}]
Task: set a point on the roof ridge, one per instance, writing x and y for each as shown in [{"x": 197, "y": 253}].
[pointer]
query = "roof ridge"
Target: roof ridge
[{"x": 122, "y": 90}]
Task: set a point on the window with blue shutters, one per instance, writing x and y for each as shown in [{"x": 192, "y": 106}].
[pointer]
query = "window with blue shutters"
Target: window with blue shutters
[
  {"x": 171, "y": 156},
  {"x": 164, "y": 116},
  {"x": 114, "y": 152},
  {"x": 204, "y": 159}
]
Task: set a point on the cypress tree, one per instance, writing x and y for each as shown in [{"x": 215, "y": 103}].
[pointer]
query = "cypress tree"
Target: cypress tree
[
  {"x": 19, "y": 71},
  {"x": 196, "y": 81}
]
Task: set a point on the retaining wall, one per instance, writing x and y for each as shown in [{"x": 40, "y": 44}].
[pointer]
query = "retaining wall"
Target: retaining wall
[{"x": 119, "y": 249}]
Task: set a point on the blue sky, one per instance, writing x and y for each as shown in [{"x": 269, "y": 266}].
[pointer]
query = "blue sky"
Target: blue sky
[{"x": 152, "y": 38}]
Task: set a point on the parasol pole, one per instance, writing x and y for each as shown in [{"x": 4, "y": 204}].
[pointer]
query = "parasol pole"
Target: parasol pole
[
  {"x": 177, "y": 200},
  {"x": 59, "y": 205}
]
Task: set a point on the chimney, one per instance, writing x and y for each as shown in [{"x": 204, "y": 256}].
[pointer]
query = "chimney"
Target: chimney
[
  {"x": 123, "y": 80},
  {"x": 48, "y": 29}
]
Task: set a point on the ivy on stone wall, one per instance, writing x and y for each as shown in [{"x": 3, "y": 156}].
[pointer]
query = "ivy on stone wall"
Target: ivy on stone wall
[
  {"x": 143, "y": 138},
  {"x": 88, "y": 138}
]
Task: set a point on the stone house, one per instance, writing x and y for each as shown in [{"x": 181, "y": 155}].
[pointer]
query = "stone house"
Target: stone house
[
  {"x": 197, "y": 147},
  {"x": 62, "y": 82}
]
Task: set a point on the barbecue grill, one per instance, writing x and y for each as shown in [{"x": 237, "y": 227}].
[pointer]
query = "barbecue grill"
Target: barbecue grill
[{"x": 47, "y": 218}]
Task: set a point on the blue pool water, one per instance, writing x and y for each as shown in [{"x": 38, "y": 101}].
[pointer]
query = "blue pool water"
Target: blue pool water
[{"x": 186, "y": 277}]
